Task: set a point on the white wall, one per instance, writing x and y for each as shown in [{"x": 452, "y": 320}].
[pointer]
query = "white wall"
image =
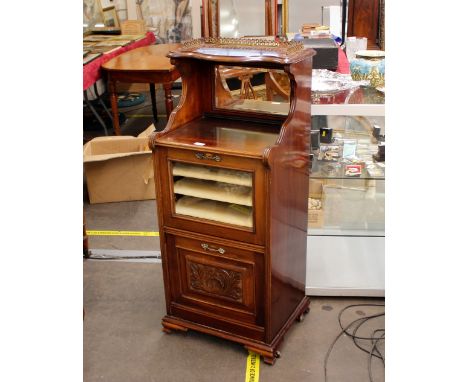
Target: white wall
[{"x": 306, "y": 12}]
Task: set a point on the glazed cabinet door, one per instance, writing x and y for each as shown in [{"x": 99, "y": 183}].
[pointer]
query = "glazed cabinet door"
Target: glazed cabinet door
[
  {"x": 214, "y": 194},
  {"x": 216, "y": 284}
]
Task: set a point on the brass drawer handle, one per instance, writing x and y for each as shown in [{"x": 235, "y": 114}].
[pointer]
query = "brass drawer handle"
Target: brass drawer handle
[
  {"x": 207, "y": 247},
  {"x": 209, "y": 156}
]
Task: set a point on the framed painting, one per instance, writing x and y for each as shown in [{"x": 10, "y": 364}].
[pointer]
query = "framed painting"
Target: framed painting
[
  {"x": 110, "y": 17},
  {"x": 92, "y": 14}
]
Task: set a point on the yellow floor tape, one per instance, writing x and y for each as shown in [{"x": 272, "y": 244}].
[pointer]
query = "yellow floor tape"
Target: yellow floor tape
[
  {"x": 120, "y": 233},
  {"x": 252, "y": 369}
]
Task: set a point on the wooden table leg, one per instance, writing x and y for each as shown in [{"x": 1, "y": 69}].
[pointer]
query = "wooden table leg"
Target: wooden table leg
[
  {"x": 168, "y": 98},
  {"x": 115, "y": 110},
  {"x": 153, "y": 103}
]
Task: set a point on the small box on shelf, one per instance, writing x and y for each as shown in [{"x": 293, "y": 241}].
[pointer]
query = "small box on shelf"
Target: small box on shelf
[{"x": 315, "y": 214}]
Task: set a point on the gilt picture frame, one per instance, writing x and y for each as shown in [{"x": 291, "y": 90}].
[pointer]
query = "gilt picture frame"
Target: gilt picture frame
[{"x": 110, "y": 17}]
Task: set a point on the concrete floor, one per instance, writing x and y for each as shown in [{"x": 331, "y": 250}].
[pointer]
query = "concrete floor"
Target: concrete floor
[
  {"x": 124, "y": 304},
  {"x": 123, "y": 341}
]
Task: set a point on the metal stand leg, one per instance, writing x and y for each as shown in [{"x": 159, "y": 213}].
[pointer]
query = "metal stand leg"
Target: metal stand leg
[
  {"x": 101, "y": 101},
  {"x": 153, "y": 103},
  {"x": 93, "y": 110}
]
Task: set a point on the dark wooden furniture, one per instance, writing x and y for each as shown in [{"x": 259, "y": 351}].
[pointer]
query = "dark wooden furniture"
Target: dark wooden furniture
[
  {"x": 231, "y": 186},
  {"x": 364, "y": 21},
  {"x": 148, "y": 64}
]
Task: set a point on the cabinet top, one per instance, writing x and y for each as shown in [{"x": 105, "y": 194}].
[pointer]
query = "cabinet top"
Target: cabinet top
[
  {"x": 243, "y": 50},
  {"x": 223, "y": 135}
]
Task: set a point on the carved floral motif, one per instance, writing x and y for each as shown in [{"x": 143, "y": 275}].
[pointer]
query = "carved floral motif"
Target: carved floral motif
[{"x": 216, "y": 281}]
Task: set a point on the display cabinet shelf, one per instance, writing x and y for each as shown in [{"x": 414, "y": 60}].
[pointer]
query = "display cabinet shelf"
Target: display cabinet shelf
[
  {"x": 357, "y": 101},
  {"x": 346, "y": 231},
  {"x": 366, "y": 232}
]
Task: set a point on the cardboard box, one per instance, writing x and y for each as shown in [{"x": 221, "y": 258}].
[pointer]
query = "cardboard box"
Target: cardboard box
[
  {"x": 119, "y": 168},
  {"x": 315, "y": 188},
  {"x": 315, "y": 217}
]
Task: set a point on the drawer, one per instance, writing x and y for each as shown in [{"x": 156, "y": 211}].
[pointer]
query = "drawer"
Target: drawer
[
  {"x": 214, "y": 194},
  {"x": 216, "y": 280}
]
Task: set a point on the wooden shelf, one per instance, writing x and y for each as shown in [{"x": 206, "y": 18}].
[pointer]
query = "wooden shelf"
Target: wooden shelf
[
  {"x": 213, "y": 210},
  {"x": 241, "y": 178},
  {"x": 229, "y": 136},
  {"x": 207, "y": 189}
]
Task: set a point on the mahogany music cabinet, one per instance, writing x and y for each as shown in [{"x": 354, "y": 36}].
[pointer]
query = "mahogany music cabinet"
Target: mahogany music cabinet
[{"x": 231, "y": 188}]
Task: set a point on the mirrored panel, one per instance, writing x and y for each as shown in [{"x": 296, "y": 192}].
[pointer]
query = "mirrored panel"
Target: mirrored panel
[
  {"x": 239, "y": 18},
  {"x": 252, "y": 89}
]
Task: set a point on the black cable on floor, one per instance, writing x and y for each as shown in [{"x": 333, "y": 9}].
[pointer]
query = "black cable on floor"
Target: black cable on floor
[
  {"x": 374, "y": 352},
  {"x": 374, "y": 346},
  {"x": 353, "y": 335}
]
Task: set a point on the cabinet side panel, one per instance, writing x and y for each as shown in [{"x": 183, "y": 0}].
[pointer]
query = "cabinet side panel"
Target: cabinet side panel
[
  {"x": 159, "y": 166},
  {"x": 289, "y": 164},
  {"x": 195, "y": 98}
]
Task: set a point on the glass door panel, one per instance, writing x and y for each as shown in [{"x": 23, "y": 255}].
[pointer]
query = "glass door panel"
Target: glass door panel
[{"x": 213, "y": 193}]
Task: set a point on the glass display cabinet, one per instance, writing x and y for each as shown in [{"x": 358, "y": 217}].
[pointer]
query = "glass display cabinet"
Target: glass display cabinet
[
  {"x": 346, "y": 229},
  {"x": 232, "y": 176}
]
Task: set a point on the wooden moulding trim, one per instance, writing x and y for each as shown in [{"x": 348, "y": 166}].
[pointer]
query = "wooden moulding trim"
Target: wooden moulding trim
[
  {"x": 263, "y": 352},
  {"x": 169, "y": 325},
  {"x": 204, "y": 149},
  {"x": 245, "y": 312},
  {"x": 267, "y": 259},
  {"x": 216, "y": 332},
  {"x": 234, "y": 322},
  {"x": 263, "y": 348},
  {"x": 226, "y": 242},
  {"x": 243, "y": 59}
]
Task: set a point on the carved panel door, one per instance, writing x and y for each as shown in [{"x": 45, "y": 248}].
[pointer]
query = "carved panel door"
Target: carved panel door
[{"x": 211, "y": 278}]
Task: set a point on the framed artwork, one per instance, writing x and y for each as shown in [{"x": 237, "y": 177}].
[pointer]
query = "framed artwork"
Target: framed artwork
[
  {"x": 171, "y": 20},
  {"x": 90, "y": 57},
  {"x": 92, "y": 14},
  {"x": 111, "y": 19}
]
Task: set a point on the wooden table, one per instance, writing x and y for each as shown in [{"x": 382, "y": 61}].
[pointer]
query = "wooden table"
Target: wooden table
[{"x": 147, "y": 64}]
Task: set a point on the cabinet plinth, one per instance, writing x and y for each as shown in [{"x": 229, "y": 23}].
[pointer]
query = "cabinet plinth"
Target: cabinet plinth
[{"x": 231, "y": 188}]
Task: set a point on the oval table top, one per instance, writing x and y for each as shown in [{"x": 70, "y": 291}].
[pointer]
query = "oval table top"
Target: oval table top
[{"x": 146, "y": 58}]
